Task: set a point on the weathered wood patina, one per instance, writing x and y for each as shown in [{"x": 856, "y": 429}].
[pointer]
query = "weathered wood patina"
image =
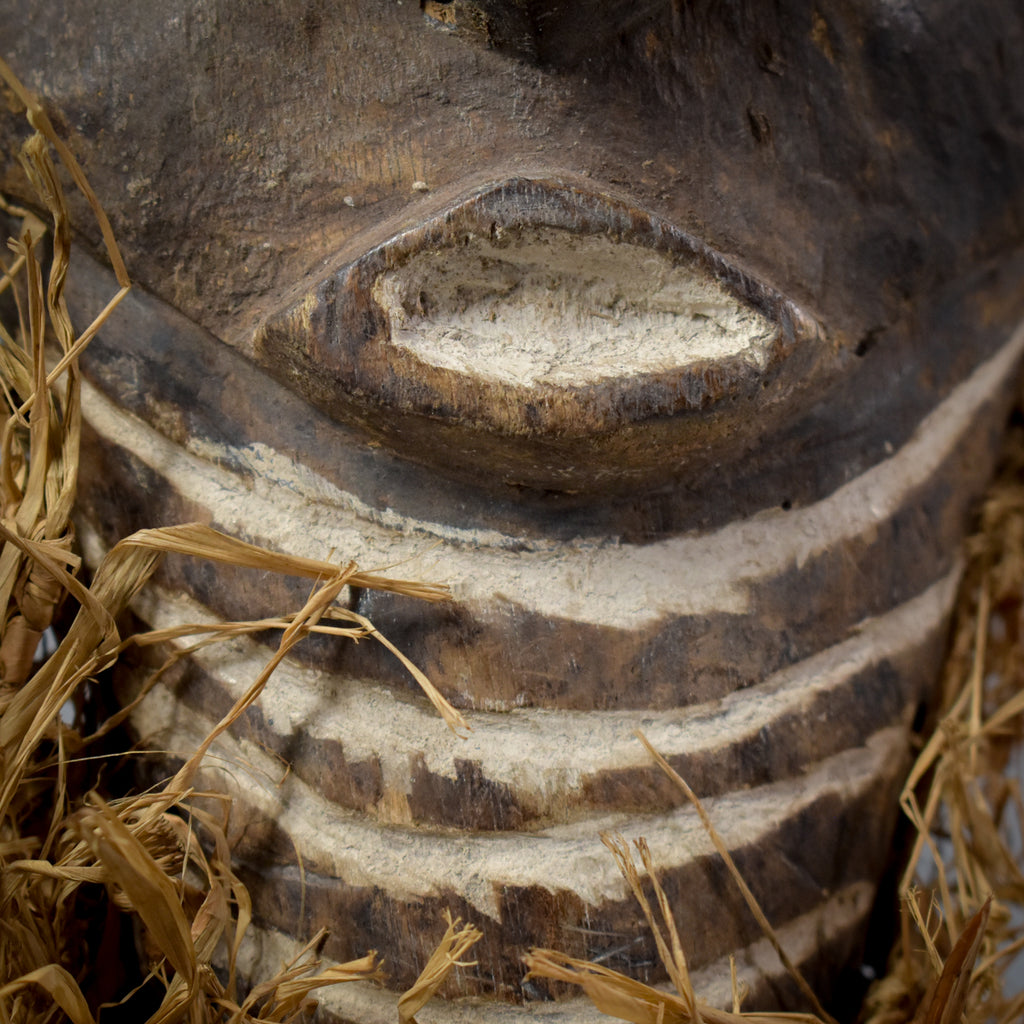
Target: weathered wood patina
[{"x": 676, "y": 336}]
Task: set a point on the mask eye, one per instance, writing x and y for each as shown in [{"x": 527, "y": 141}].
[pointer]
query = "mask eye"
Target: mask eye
[
  {"x": 529, "y": 308},
  {"x": 547, "y": 338}
]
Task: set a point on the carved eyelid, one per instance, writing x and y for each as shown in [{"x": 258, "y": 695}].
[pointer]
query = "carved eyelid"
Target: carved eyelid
[{"x": 531, "y": 330}]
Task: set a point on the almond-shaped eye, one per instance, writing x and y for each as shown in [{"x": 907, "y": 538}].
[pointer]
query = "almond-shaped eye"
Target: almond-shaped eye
[
  {"x": 541, "y": 336},
  {"x": 544, "y": 306}
]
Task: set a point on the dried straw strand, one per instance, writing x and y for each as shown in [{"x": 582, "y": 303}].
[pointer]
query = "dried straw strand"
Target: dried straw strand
[
  {"x": 162, "y": 857},
  {"x": 447, "y": 955}
]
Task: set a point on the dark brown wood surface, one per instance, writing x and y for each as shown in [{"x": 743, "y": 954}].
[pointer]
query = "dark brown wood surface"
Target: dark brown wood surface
[{"x": 749, "y": 551}]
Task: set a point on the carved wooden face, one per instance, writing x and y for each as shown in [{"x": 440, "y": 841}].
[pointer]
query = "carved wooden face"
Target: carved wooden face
[
  {"x": 675, "y": 336},
  {"x": 797, "y": 198}
]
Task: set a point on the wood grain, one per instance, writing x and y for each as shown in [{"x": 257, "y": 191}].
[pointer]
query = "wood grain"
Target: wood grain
[{"x": 749, "y": 554}]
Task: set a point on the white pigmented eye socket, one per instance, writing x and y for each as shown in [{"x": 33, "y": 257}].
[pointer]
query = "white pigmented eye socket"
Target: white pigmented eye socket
[
  {"x": 542, "y": 338},
  {"x": 544, "y": 306}
]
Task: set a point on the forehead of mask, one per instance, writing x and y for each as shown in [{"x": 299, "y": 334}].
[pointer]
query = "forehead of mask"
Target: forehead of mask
[{"x": 850, "y": 157}]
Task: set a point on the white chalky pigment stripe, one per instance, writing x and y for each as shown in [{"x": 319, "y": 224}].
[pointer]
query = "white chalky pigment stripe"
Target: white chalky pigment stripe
[
  {"x": 597, "y": 582},
  {"x": 536, "y": 751}
]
